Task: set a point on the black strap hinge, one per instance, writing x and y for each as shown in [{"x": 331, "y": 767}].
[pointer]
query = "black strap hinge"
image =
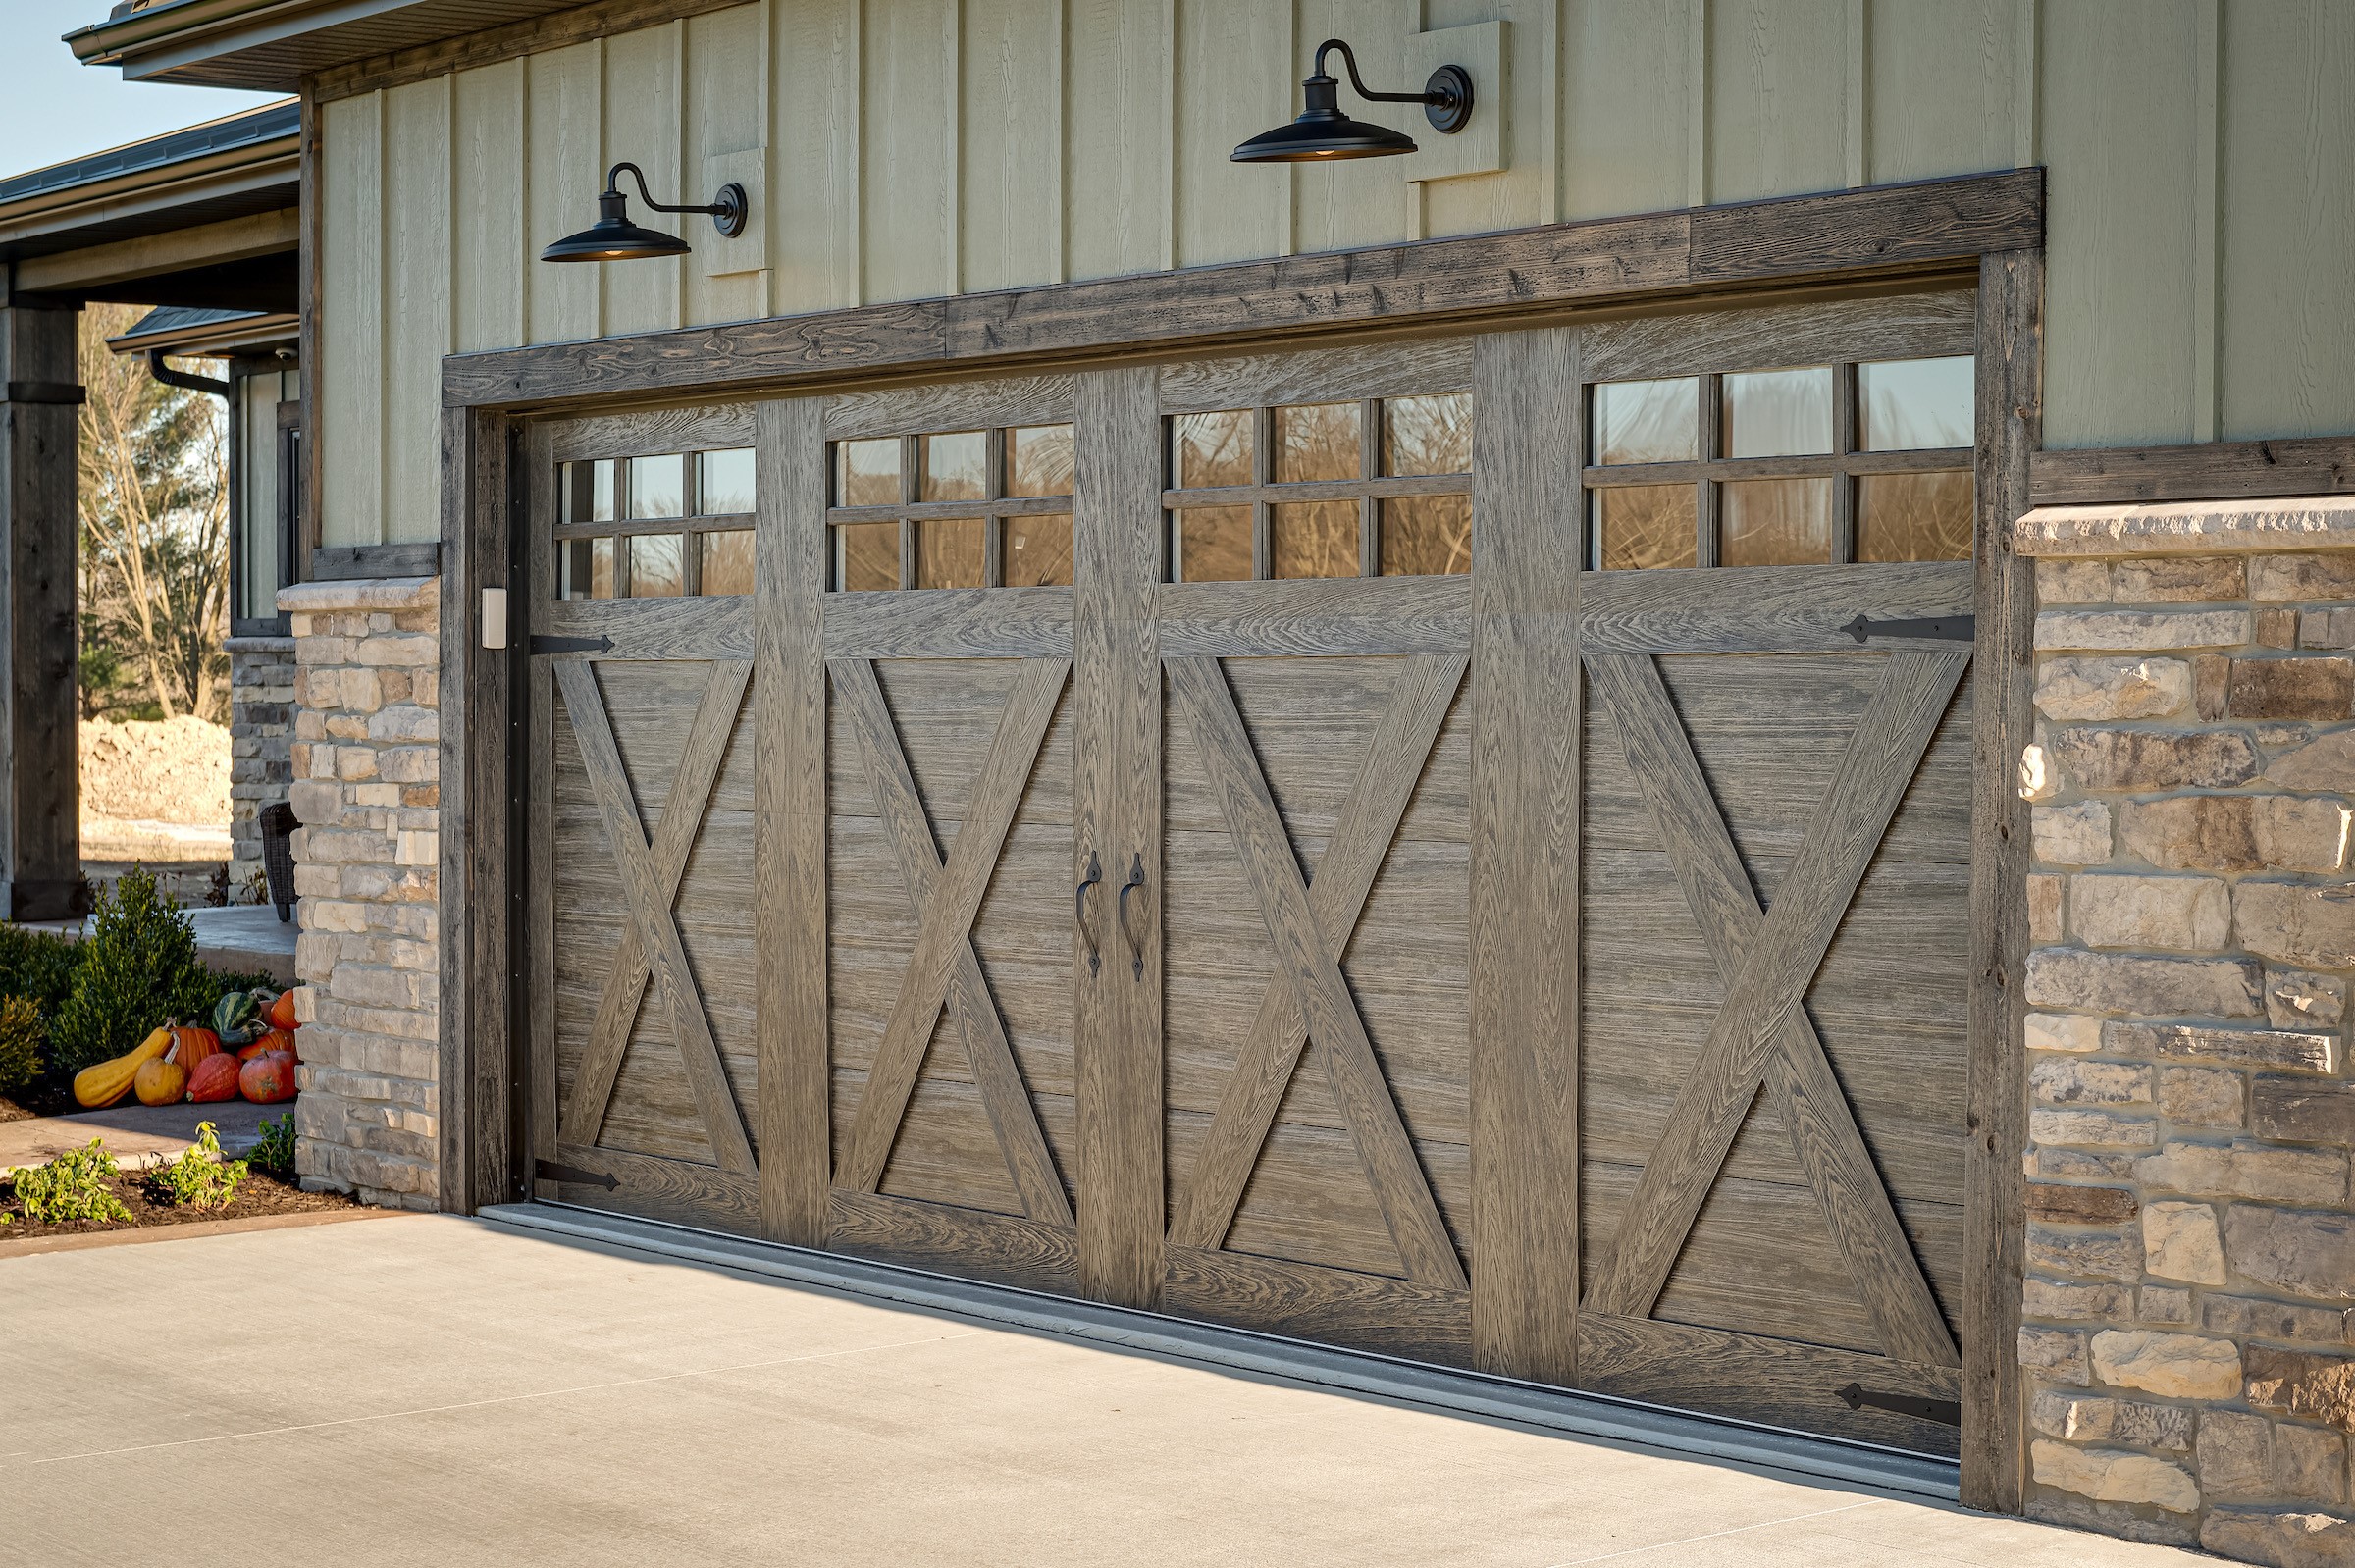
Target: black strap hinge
[
  {"x": 571, "y": 645},
  {"x": 573, "y": 1175},
  {"x": 1944, "y": 628},
  {"x": 47, "y": 392},
  {"x": 1946, "y": 1412}
]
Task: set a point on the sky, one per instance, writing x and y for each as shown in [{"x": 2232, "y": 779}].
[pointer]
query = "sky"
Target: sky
[{"x": 56, "y": 108}]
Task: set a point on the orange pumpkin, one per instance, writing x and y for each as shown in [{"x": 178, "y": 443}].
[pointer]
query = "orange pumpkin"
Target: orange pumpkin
[
  {"x": 160, "y": 1082},
  {"x": 270, "y": 1040},
  {"x": 267, "y": 1080},
  {"x": 281, "y": 1010},
  {"x": 215, "y": 1079},
  {"x": 191, "y": 1046}
]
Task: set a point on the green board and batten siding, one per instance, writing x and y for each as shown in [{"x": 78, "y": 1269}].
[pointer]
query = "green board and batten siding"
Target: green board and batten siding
[{"x": 915, "y": 148}]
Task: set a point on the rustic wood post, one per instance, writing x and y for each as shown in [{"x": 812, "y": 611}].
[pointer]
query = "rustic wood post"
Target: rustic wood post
[{"x": 40, "y": 783}]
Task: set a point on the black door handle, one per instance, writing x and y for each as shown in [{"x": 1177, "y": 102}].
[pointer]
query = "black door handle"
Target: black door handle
[
  {"x": 1136, "y": 879},
  {"x": 1087, "y": 938}
]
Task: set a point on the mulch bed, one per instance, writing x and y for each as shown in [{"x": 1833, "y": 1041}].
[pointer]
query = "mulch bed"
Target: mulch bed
[
  {"x": 258, "y": 1194},
  {"x": 38, "y": 1099}
]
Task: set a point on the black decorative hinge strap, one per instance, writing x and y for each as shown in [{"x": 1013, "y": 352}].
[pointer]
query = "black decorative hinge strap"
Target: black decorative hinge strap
[
  {"x": 1946, "y": 1412},
  {"x": 1944, "y": 628},
  {"x": 549, "y": 1171},
  {"x": 571, "y": 645}
]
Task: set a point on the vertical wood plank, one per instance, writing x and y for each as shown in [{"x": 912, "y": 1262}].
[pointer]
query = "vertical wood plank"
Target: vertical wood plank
[
  {"x": 538, "y": 586},
  {"x": 311, "y": 294},
  {"x": 908, "y": 101},
  {"x": 1942, "y": 89},
  {"x": 1233, "y": 67},
  {"x": 349, "y": 406},
  {"x": 789, "y": 846},
  {"x": 490, "y": 271},
  {"x": 1117, "y": 807},
  {"x": 641, "y": 126},
  {"x": 1525, "y": 784},
  {"x": 1775, "y": 69},
  {"x": 2206, "y": 80},
  {"x": 814, "y": 223},
  {"x": 1116, "y": 182},
  {"x": 1525, "y": 191},
  {"x": 417, "y": 279},
  {"x": 1626, "y": 76},
  {"x": 1010, "y": 201},
  {"x": 1355, "y": 202},
  {"x": 564, "y": 170},
  {"x": 727, "y": 68},
  {"x": 2011, "y": 349}
]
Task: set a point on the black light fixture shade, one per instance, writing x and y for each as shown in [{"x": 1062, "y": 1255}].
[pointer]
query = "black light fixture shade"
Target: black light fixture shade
[
  {"x": 614, "y": 238},
  {"x": 1323, "y": 132}
]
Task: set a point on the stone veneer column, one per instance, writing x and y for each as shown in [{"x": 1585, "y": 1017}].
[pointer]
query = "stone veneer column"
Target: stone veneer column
[
  {"x": 261, "y": 735},
  {"x": 2187, "y": 1339},
  {"x": 367, "y": 791}
]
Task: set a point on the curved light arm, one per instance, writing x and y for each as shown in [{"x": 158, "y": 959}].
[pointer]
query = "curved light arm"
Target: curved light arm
[
  {"x": 613, "y": 189},
  {"x": 1440, "y": 100}
]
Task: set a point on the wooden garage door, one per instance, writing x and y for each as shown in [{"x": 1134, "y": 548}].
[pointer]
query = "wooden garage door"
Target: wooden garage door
[{"x": 1095, "y": 833}]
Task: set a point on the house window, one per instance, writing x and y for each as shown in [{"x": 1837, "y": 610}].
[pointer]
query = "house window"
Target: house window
[
  {"x": 1802, "y": 465},
  {"x": 960, "y": 508},
  {"x": 1377, "y": 487},
  {"x": 658, "y": 526}
]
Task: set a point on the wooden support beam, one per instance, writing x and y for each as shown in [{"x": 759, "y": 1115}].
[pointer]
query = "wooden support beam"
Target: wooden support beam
[
  {"x": 212, "y": 245},
  {"x": 40, "y": 827}
]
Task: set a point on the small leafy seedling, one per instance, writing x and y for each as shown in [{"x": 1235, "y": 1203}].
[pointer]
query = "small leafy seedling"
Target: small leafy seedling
[
  {"x": 72, "y": 1186},
  {"x": 199, "y": 1178},
  {"x": 275, "y": 1154}
]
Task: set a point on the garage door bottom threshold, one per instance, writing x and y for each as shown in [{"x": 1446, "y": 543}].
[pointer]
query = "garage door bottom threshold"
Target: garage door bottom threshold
[{"x": 1432, "y": 1388}]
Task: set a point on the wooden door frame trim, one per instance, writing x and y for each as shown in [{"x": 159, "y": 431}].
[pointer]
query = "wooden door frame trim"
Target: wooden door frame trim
[
  {"x": 1984, "y": 228},
  {"x": 1647, "y": 261},
  {"x": 2305, "y": 465}
]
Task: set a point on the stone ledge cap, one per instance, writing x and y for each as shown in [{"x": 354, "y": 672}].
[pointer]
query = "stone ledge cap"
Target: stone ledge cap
[
  {"x": 2188, "y": 528},
  {"x": 330, "y": 594},
  {"x": 257, "y": 645}
]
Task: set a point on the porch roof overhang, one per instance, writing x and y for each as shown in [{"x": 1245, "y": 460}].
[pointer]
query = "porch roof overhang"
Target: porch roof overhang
[
  {"x": 214, "y": 334},
  {"x": 271, "y": 45}
]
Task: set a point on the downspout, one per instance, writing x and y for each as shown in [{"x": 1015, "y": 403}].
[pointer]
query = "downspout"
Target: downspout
[{"x": 186, "y": 380}]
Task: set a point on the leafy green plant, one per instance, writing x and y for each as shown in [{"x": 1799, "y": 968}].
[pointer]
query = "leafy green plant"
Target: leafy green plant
[
  {"x": 275, "y": 1154},
  {"x": 21, "y": 1034},
  {"x": 38, "y": 965},
  {"x": 199, "y": 1178},
  {"x": 139, "y": 970},
  {"x": 72, "y": 1186}
]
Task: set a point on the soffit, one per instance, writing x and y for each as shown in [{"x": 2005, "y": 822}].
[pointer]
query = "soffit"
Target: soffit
[{"x": 271, "y": 45}]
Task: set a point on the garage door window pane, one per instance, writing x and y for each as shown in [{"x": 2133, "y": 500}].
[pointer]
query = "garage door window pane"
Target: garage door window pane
[
  {"x": 1317, "y": 440},
  {"x": 1906, "y": 404},
  {"x": 866, "y": 556},
  {"x": 1647, "y": 421},
  {"x": 949, "y": 553},
  {"x": 658, "y": 485},
  {"x": 1427, "y": 434},
  {"x": 956, "y": 467},
  {"x": 727, "y": 562},
  {"x": 1212, "y": 545},
  {"x": 1313, "y": 539},
  {"x": 1779, "y": 413},
  {"x": 1038, "y": 460},
  {"x": 723, "y": 482},
  {"x": 585, "y": 568},
  {"x": 589, "y": 492},
  {"x": 1038, "y": 551},
  {"x": 1211, "y": 450},
  {"x": 1643, "y": 526},
  {"x": 1775, "y": 522},
  {"x": 1913, "y": 517},
  {"x": 655, "y": 571},
  {"x": 1426, "y": 535},
  {"x": 866, "y": 473}
]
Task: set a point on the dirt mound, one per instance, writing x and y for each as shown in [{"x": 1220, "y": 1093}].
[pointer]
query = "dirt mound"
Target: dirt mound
[{"x": 172, "y": 772}]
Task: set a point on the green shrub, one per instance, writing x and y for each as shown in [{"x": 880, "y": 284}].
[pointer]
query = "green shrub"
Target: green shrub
[
  {"x": 20, "y": 1043},
  {"x": 199, "y": 1178},
  {"x": 139, "y": 970},
  {"x": 72, "y": 1186},
  {"x": 275, "y": 1154},
  {"x": 39, "y": 965}
]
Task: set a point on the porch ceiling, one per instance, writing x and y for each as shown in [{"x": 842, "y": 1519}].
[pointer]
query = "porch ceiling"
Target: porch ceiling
[{"x": 270, "y": 45}]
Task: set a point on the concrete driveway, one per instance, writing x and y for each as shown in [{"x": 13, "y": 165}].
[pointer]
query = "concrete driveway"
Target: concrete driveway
[{"x": 433, "y": 1391}]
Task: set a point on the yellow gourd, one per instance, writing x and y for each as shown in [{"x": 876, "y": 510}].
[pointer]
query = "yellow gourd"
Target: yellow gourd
[
  {"x": 95, "y": 1088},
  {"x": 161, "y": 1082}
]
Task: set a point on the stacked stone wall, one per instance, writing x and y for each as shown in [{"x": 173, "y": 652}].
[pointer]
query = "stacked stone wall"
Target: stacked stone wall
[
  {"x": 2187, "y": 1340},
  {"x": 367, "y": 789},
  {"x": 261, "y": 741}
]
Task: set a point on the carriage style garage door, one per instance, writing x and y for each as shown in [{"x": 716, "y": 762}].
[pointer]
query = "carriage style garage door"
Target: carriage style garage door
[{"x": 1098, "y": 786}]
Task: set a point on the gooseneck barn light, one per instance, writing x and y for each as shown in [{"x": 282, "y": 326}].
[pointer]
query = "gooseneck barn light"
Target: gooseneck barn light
[
  {"x": 1323, "y": 132},
  {"x": 614, "y": 238}
]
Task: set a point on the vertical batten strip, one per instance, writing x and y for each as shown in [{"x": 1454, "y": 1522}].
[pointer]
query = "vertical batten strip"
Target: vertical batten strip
[
  {"x": 1856, "y": 96},
  {"x": 1169, "y": 138},
  {"x": 1524, "y": 823},
  {"x": 952, "y": 154},
  {"x": 789, "y": 846},
  {"x": 1697, "y": 106},
  {"x": 2027, "y": 97},
  {"x": 2207, "y": 196},
  {"x": 1059, "y": 263}
]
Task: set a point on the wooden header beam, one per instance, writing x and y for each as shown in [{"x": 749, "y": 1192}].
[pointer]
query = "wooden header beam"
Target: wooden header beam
[
  {"x": 1843, "y": 236},
  {"x": 75, "y": 271}
]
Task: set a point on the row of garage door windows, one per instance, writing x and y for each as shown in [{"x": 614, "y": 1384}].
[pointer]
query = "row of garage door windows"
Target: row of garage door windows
[{"x": 1856, "y": 461}]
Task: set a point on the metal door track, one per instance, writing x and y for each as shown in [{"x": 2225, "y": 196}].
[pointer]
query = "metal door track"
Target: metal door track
[{"x": 1439, "y": 1389}]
